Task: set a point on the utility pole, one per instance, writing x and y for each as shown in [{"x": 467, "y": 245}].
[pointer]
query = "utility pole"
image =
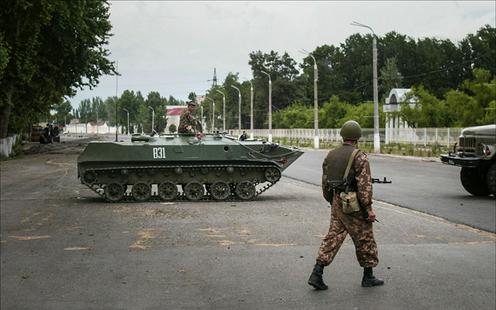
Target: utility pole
[
  {"x": 116, "y": 98},
  {"x": 213, "y": 113},
  {"x": 316, "y": 139},
  {"x": 377, "y": 139},
  {"x": 127, "y": 131},
  {"x": 223, "y": 110},
  {"x": 251, "y": 109},
  {"x": 270, "y": 106},
  {"x": 201, "y": 115},
  {"x": 239, "y": 107},
  {"x": 153, "y": 119},
  {"x": 315, "y": 104}
]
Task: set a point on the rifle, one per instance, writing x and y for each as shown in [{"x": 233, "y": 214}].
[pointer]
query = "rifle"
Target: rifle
[{"x": 377, "y": 180}]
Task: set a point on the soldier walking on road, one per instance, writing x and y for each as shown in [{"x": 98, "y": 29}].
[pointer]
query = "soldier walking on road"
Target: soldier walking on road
[
  {"x": 187, "y": 122},
  {"x": 347, "y": 185}
]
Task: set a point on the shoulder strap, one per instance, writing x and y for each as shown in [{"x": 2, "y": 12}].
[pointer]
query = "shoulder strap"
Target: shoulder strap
[{"x": 350, "y": 161}]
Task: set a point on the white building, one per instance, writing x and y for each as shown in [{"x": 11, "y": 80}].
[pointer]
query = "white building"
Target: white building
[{"x": 397, "y": 129}]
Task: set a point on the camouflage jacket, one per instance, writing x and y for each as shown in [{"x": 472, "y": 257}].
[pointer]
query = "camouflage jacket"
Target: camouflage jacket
[
  {"x": 363, "y": 179},
  {"x": 188, "y": 123}
]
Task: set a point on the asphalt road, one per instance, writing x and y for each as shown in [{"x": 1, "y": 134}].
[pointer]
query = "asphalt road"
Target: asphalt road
[
  {"x": 64, "y": 248},
  {"x": 426, "y": 186}
]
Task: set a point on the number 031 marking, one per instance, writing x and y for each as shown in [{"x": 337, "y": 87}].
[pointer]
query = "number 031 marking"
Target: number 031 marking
[{"x": 158, "y": 152}]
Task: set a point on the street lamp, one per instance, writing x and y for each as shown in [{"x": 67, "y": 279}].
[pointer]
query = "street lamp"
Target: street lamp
[
  {"x": 315, "y": 102},
  {"x": 213, "y": 113},
  {"x": 377, "y": 140},
  {"x": 251, "y": 109},
  {"x": 97, "y": 120},
  {"x": 116, "y": 98},
  {"x": 223, "y": 110},
  {"x": 239, "y": 107},
  {"x": 127, "y": 131},
  {"x": 201, "y": 116},
  {"x": 153, "y": 119},
  {"x": 270, "y": 106}
]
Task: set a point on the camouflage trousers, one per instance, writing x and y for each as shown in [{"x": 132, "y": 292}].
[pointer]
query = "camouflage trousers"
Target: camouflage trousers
[{"x": 361, "y": 233}]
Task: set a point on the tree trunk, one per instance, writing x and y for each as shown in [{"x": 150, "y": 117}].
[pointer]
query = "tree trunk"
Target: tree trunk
[{"x": 5, "y": 116}]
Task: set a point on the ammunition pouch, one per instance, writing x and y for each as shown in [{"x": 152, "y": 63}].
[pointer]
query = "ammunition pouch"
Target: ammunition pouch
[{"x": 349, "y": 202}]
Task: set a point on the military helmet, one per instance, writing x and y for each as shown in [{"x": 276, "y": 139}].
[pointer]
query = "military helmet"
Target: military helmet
[{"x": 351, "y": 130}]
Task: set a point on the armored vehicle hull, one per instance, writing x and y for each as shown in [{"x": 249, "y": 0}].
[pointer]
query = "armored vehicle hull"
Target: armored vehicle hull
[{"x": 183, "y": 167}]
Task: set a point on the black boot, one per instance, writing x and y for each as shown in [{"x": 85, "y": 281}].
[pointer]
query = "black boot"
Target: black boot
[
  {"x": 316, "y": 278},
  {"x": 369, "y": 280}
]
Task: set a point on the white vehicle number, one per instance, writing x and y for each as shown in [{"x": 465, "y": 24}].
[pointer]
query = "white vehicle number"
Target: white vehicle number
[{"x": 158, "y": 152}]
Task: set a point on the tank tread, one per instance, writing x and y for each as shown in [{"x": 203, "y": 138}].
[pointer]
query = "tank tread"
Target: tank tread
[{"x": 98, "y": 188}]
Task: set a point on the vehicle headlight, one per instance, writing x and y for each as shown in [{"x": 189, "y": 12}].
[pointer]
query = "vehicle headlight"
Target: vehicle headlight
[{"x": 487, "y": 150}]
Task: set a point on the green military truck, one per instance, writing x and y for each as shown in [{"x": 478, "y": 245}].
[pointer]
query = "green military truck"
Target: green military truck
[{"x": 475, "y": 153}]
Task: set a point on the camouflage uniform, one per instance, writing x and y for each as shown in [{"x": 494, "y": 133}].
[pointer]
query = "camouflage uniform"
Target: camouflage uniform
[
  {"x": 188, "y": 123},
  {"x": 359, "y": 229}
]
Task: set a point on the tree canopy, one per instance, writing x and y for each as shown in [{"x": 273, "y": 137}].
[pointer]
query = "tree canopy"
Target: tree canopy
[{"x": 48, "y": 50}]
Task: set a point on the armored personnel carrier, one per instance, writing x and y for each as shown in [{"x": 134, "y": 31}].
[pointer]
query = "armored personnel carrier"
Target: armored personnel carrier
[
  {"x": 475, "y": 152},
  {"x": 170, "y": 167}
]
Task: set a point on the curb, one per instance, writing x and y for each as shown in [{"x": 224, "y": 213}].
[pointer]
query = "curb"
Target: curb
[{"x": 426, "y": 159}]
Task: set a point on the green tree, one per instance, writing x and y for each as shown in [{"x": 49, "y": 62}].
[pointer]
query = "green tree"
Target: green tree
[
  {"x": 297, "y": 115},
  {"x": 84, "y": 111},
  {"x": 390, "y": 77},
  {"x": 52, "y": 48},
  {"x": 192, "y": 96},
  {"x": 429, "y": 111},
  {"x": 110, "y": 108},
  {"x": 327, "y": 58},
  {"x": 333, "y": 112},
  {"x": 473, "y": 103},
  {"x": 63, "y": 112},
  {"x": 363, "y": 113},
  {"x": 482, "y": 49},
  {"x": 158, "y": 104},
  {"x": 282, "y": 70}
]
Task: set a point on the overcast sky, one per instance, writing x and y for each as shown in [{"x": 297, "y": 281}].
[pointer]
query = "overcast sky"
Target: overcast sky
[{"x": 173, "y": 47}]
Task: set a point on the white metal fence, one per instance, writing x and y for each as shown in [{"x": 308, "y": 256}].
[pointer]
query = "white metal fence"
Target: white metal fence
[
  {"x": 416, "y": 136},
  {"x": 90, "y": 128}
]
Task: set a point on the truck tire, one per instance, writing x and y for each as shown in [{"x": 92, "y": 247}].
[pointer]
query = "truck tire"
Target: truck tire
[
  {"x": 491, "y": 179},
  {"x": 473, "y": 181}
]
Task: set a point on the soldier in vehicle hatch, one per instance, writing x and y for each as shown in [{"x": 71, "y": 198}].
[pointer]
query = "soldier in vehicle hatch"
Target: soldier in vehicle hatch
[
  {"x": 347, "y": 185},
  {"x": 188, "y": 122}
]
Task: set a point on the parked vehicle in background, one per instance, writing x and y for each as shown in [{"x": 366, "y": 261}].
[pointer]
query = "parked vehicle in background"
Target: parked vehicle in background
[
  {"x": 36, "y": 132},
  {"x": 475, "y": 153}
]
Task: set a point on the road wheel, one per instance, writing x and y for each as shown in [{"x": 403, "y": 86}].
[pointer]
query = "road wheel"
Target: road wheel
[
  {"x": 245, "y": 190},
  {"x": 141, "y": 192},
  {"x": 220, "y": 190},
  {"x": 114, "y": 192},
  {"x": 193, "y": 191},
  {"x": 90, "y": 177},
  {"x": 272, "y": 174},
  {"x": 167, "y": 191},
  {"x": 473, "y": 181},
  {"x": 491, "y": 179}
]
